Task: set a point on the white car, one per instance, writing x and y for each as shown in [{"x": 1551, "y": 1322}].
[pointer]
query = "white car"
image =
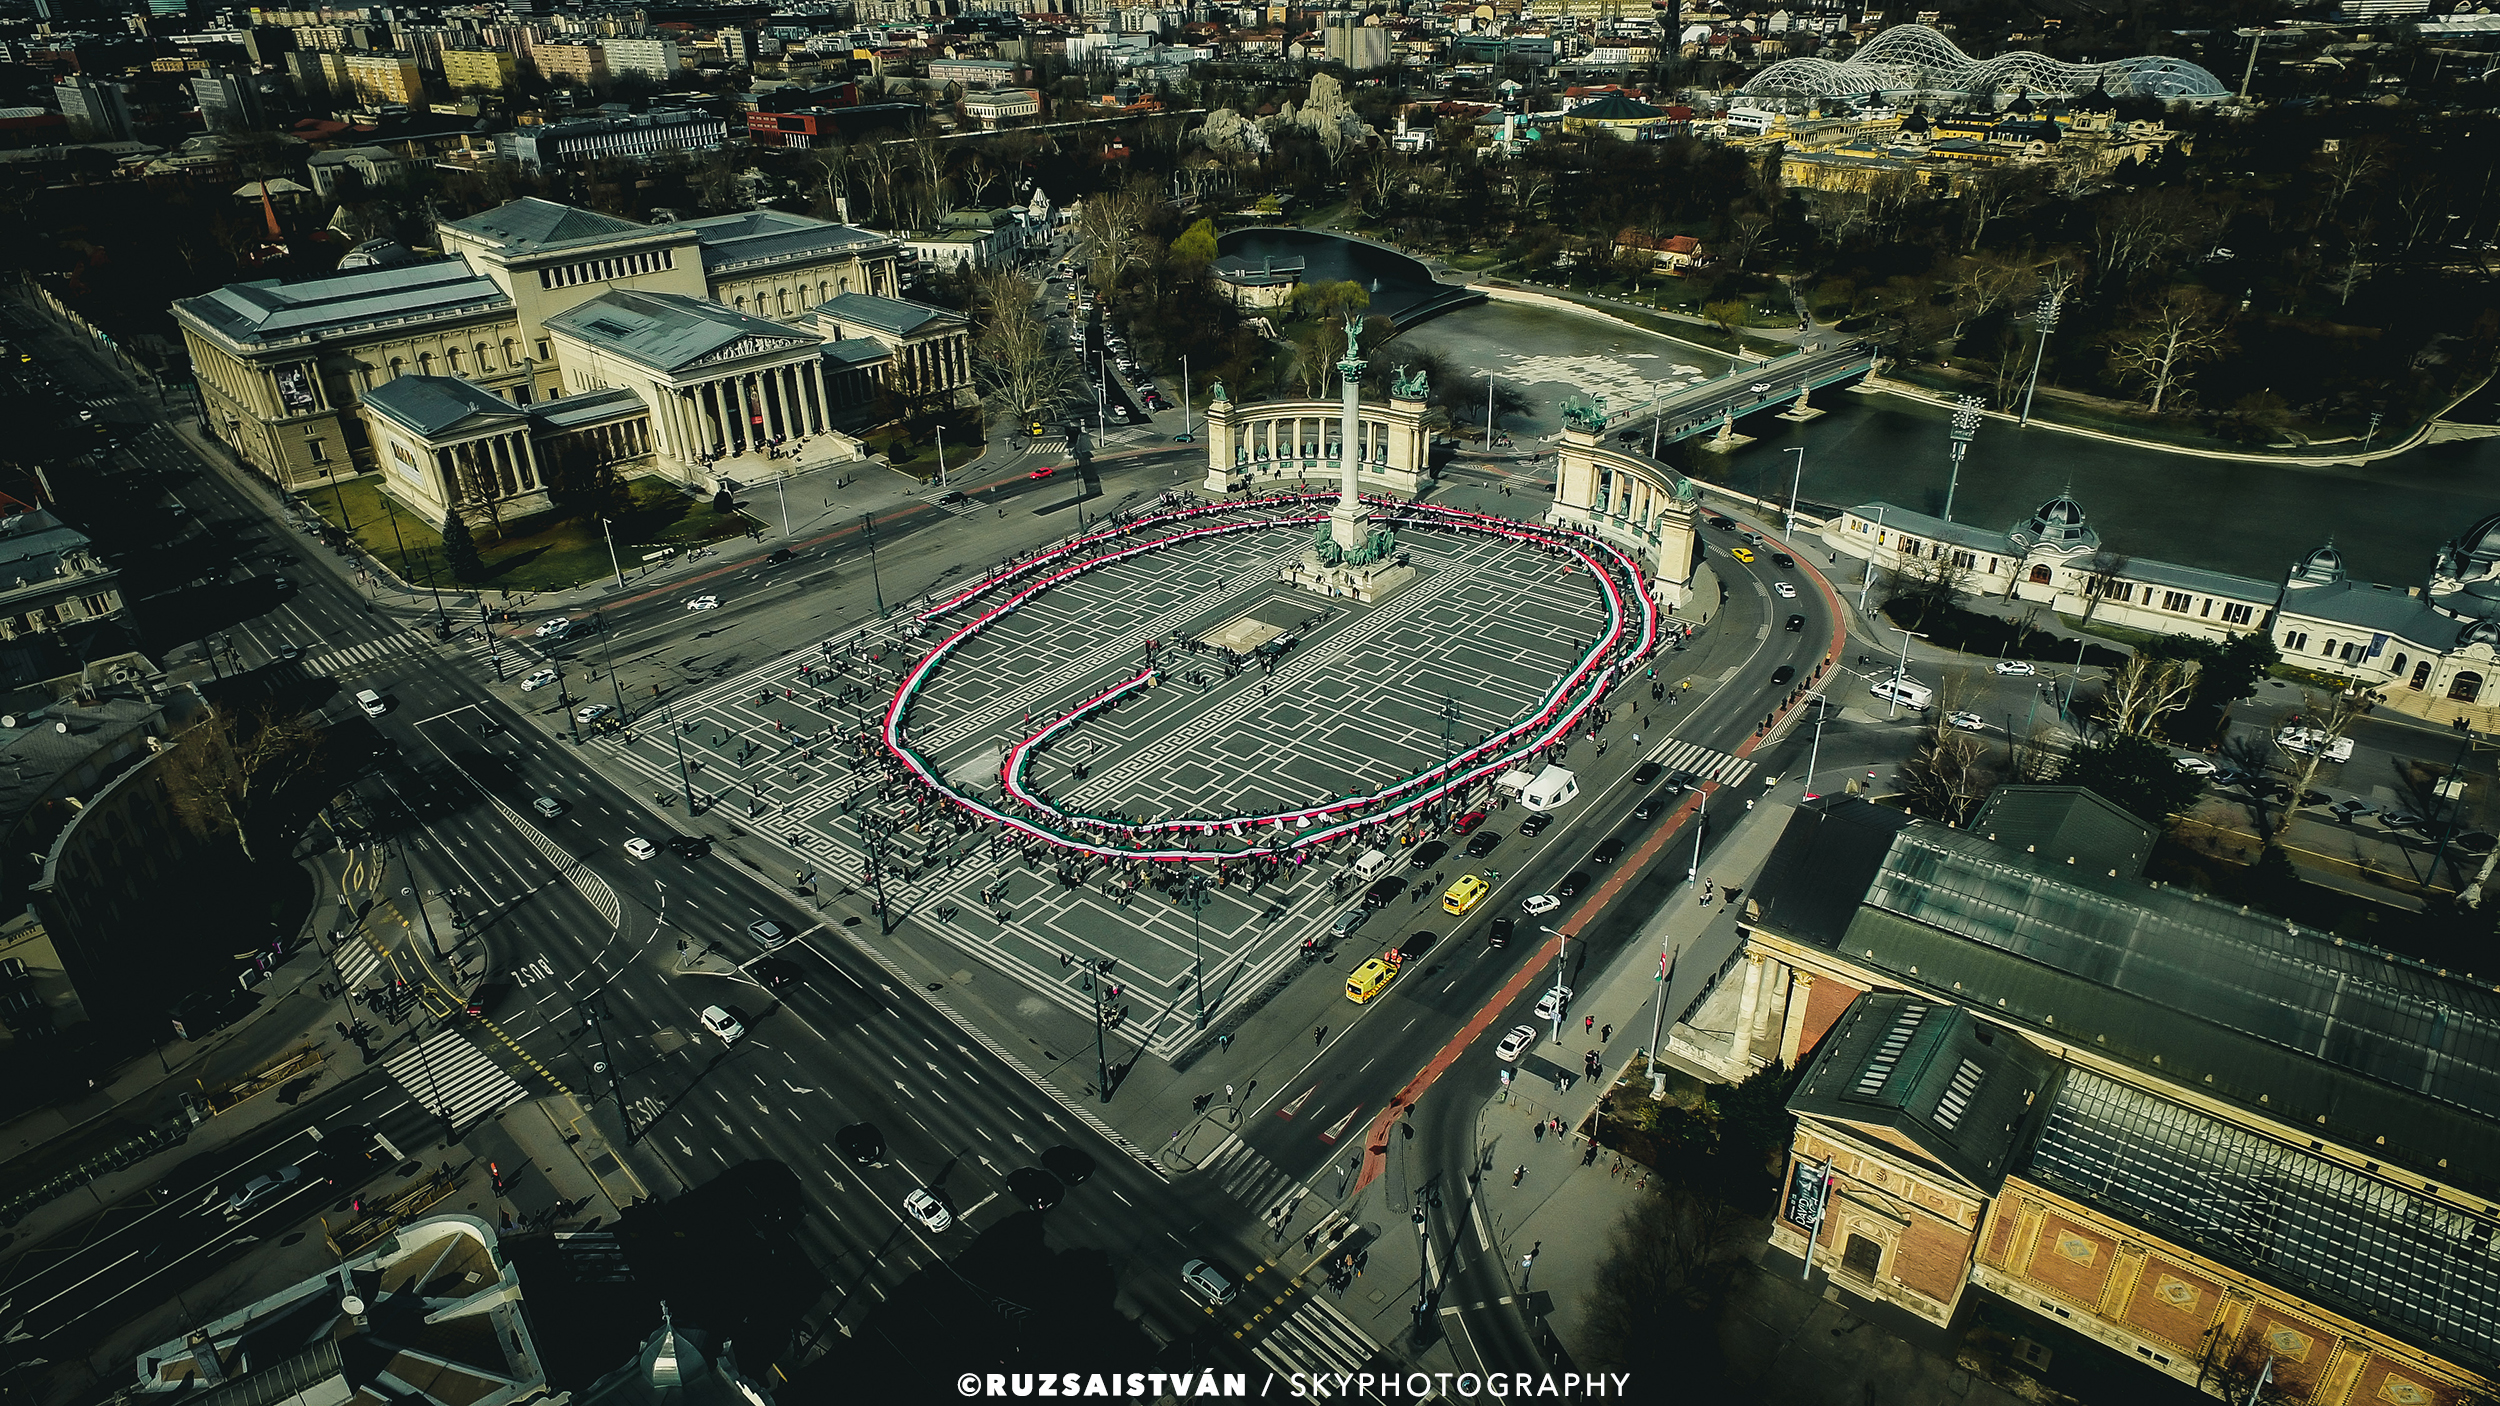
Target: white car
[
  {"x": 926, "y": 1208},
  {"x": 1759, "y": 388},
  {"x": 2015, "y": 667},
  {"x": 2197, "y": 766},
  {"x": 640, "y": 848},
  {"x": 1967, "y": 722},
  {"x": 1515, "y": 1043},
  {"x": 723, "y": 1024},
  {"x": 1541, "y": 904},
  {"x": 704, "y": 603},
  {"x": 1783, "y": 590},
  {"x": 592, "y": 713},
  {"x": 1552, "y": 1003},
  {"x": 555, "y": 629},
  {"x": 538, "y": 680}
]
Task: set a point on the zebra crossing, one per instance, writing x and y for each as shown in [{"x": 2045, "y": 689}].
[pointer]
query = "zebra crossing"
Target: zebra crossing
[
  {"x": 1701, "y": 761},
  {"x": 1247, "y": 1176},
  {"x": 450, "y": 1075},
  {"x": 360, "y": 657},
  {"x": 1055, "y": 445},
  {"x": 357, "y": 959},
  {"x": 1316, "y": 1338}
]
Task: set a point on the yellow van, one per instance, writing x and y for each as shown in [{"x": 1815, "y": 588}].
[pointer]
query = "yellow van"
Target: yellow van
[
  {"x": 1369, "y": 980},
  {"x": 1465, "y": 894}
]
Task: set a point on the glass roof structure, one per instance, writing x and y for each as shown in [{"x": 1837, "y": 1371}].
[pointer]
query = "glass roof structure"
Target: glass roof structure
[
  {"x": 1911, "y": 58},
  {"x": 2357, "y": 1243}
]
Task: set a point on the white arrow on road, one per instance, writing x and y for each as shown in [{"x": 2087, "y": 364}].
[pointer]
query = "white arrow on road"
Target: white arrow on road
[
  {"x": 900, "y": 1085},
  {"x": 795, "y": 1088},
  {"x": 681, "y": 1146},
  {"x": 1020, "y": 1142}
]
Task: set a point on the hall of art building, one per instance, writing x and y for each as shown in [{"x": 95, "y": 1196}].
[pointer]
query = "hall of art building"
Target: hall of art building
[
  {"x": 2118, "y": 1115},
  {"x": 689, "y": 348}
]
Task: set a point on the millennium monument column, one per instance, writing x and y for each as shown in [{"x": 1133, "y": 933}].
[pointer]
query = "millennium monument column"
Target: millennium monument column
[{"x": 1349, "y": 558}]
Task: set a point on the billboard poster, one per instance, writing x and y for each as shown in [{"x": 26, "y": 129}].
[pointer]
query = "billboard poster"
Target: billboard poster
[{"x": 295, "y": 389}]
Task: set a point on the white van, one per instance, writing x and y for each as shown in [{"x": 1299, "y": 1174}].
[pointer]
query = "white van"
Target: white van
[
  {"x": 1554, "y": 786},
  {"x": 1371, "y": 864},
  {"x": 372, "y": 703},
  {"x": 1907, "y": 692}
]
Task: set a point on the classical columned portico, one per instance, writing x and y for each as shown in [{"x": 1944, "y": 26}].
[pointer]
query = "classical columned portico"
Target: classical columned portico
[
  {"x": 489, "y": 468},
  {"x": 1270, "y": 440},
  {"x": 1638, "y": 504}
]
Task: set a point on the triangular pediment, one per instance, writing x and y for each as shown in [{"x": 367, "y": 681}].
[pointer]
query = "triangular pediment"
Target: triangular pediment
[{"x": 752, "y": 345}]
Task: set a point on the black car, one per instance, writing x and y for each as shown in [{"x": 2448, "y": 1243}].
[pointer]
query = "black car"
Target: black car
[
  {"x": 1781, "y": 675},
  {"x": 1036, "y": 1189},
  {"x": 778, "y": 555},
  {"x": 1384, "y": 893},
  {"x": 1655, "y": 803},
  {"x": 1724, "y": 524},
  {"x": 1069, "y": 1165},
  {"x": 1647, "y": 772},
  {"x": 1796, "y": 623},
  {"x": 1608, "y": 850},
  {"x": 1426, "y": 854},
  {"x": 690, "y": 846},
  {"x": 1416, "y": 944},
  {"x": 1483, "y": 843},
  {"x": 1571, "y": 884},
  {"x": 1783, "y": 559},
  {"x": 951, "y": 497},
  {"x": 775, "y": 972},
  {"x": 862, "y": 1143},
  {"x": 1534, "y": 825}
]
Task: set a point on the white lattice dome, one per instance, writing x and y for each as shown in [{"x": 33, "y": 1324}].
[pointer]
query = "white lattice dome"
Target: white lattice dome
[{"x": 1914, "y": 58}]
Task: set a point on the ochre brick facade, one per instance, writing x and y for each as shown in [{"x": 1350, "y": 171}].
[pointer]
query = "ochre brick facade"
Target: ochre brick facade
[
  {"x": 2172, "y": 1303},
  {"x": 1825, "y": 1004},
  {"x": 2071, "y": 1258},
  {"x": 1932, "y": 1259}
]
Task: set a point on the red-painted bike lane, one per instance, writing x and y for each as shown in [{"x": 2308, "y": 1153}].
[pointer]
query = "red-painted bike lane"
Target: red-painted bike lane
[{"x": 1376, "y": 1141}]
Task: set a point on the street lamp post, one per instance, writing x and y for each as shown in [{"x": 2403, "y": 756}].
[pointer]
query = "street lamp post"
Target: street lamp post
[
  {"x": 1195, "y": 895},
  {"x": 1814, "y": 755},
  {"x": 941, "y": 480},
  {"x": 1958, "y": 437},
  {"x": 868, "y": 529},
  {"x": 676, "y": 737},
  {"x": 610, "y": 538},
  {"x": 2044, "y": 318},
  {"x": 1562, "y": 957},
  {"x": 1186, "y": 431},
  {"x": 1794, "y": 479},
  {"x": 1892, "y": 699},
  {"x": 1868, "y": 583}
]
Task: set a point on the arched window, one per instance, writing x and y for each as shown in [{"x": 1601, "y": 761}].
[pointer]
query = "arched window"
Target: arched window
[
  {"x": 2421, "y": 676},
  {"x": 425, "y": 363},
  {"x": 451, "y": 358},
  {"x": 741, "y": 303},
  {"x": 396, "y": 364},
  {"x": 2400, "y": 664},
  {"x": 2465, "y": 687},
  {"x": 2039, "y": 576},
  {"x": 511, "y": 352}
]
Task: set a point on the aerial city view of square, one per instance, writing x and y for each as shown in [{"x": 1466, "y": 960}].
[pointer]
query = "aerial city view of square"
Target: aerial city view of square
[{"x": 1393, "y": 703}]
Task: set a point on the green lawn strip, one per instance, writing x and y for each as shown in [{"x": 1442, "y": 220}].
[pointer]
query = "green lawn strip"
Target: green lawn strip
[{"x": 532, "y": 554}]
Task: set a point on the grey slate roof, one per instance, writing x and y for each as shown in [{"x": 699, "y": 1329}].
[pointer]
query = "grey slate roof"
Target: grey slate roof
[
  {"x": 1962, "y": 1093},
  {"x": 530, "y": 225},
  {"x": 664, "y": 331},
  {"x": 2067, "y": 822},
  {"x": 587, "y": 408},
  {"x": 2373, "y": 1050},
  {"x": 437, "y": 405},
  {"x": 857, "y": 351},
  {"x": 890, "y": 315},
  {"x": 32, "y": 545},
  {"x": 732, "y": 242},
  {"x": 2363, "y": 606},
  {"x": 2195, "y": 578},
  {"x": 269, "y": 313},
  {"x": 1936, "y": 529}
]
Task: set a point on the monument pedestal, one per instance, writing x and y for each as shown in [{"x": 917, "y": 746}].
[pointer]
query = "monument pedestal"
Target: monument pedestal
[{"x": 1370, "y": 583}]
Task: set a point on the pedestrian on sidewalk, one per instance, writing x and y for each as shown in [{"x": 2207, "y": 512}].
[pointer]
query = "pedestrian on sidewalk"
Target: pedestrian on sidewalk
[
  {"x": 1606, "y": 1035},
  {"x": 1587, "y": 1023},
  {"x": 1522, "y": 1172},
  {"x": 1539, "y": 1131},
  {"x": 1616, "y": 1170}
]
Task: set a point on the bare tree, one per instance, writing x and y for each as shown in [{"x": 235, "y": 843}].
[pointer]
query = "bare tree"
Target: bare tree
[
  {"x": 1659, "y": 1292},
  {"x": 2418, "y": 207},
  {"x": 881, "y": 165},
  {"x": 834, "y": 162},
  {"x": 928, "y": 160},
  {"x": 2139, "y": 231},
  {"x": 2354, "y": 163},
  {"x": 2356, "y": 244},
  {"x": 2100, "y": 573},
  {"x": 2320, "y": 726},
  {"x": 2186, "y": 325},
  {"x": 1983, "y": 283},
  {"x": 1925, "y": 585},
  {"x": 2145, "y": 690},
  {"x": 1113, "y": 223},
  {"x": 1745, "y": 234},
  {"x": 1016, "y": 362},
  {"x": 1944, "y": 778},
  {"x": 1996, "y": 194},
  {"x": 226, "y": 774}
]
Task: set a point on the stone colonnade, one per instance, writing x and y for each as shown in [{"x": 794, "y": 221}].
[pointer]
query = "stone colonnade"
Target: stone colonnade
[
  {"x": 1252, "y": 444},
  {"x": 1634, "y": 502},
  {"x": 738, "y": 414},
  {"x": 489, "y": 468}
]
